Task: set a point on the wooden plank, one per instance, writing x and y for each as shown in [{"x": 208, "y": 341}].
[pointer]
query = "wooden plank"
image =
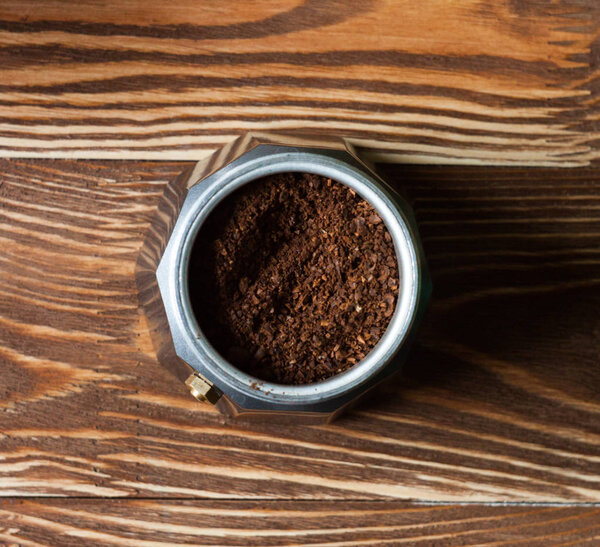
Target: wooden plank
[
  {"x": 499, "y": 401},
  {"x": 492, "y": 82},
  {"x": 82, "y": 522}
]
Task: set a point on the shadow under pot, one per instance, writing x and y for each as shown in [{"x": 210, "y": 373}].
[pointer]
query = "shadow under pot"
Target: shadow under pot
[{"x": 293, "y": 281}]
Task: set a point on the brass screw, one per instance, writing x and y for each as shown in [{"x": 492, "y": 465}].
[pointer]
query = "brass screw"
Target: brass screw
[{"x": 202, "y": 389}]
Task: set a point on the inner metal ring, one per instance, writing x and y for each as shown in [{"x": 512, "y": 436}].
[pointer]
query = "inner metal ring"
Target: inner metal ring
[{"x": 212, "y": 191}]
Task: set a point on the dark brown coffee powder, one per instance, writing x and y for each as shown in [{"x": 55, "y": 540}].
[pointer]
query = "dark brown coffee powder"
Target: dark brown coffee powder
[{"x": 293, "y": 278}]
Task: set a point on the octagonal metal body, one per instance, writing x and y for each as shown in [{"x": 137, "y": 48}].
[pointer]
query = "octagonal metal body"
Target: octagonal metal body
[{"x": 162, "y": 277}]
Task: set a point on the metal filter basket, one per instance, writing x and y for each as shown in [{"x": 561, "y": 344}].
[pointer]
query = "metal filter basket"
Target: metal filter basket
[{"x": 209, "y": 376}]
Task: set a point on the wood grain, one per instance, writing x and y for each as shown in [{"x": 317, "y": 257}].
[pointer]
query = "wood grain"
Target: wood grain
[
  {"x": 477, "y": 81},
  {"x": 163, "y": 522},
  {"x": 499, "y": 401}
]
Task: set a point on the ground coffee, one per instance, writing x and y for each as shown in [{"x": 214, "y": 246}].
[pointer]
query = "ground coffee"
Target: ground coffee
[{"x": 293, "y": 278}]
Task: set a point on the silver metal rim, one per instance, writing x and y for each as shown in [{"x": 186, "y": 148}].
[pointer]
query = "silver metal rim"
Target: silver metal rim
[{"x": 213, "y": 190}]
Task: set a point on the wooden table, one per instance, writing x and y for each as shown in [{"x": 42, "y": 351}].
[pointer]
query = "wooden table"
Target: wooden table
[{"x": 491, "y": 435}]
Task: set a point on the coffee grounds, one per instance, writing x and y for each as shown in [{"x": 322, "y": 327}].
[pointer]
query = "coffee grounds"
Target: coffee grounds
[{"x": 293, "y": 278}]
